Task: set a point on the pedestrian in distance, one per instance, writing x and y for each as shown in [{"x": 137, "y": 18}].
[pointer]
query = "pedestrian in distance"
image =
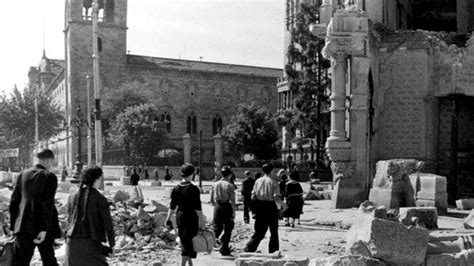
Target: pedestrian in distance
[
  {"x": 134, "y": 178},
  {"x": 266, "y": 196},
  {"x": 186, "y": 203},
  {"x": 294, "y": 199},
  {"x": 223, "y": 199},
  {"x": 168, "y": 174},
  {"x": 33, "y": 216},
  {"x": 247, "y": 186},
  {"x": 155, "y": 174},
  {"x": 63, "y": 174},
  {"x": 283, "y": 178},
  {"x": 89, "y": 223}
]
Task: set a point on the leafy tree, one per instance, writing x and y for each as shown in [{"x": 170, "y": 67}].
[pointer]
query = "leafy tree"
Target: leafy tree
[
  {"x": 138, "y": 128},
  {"x": 18, "y": 118},
  {"x": 307, "y": 79},
  {"x": 116, "y": 100},
  {"x": 252, "y": 130}
]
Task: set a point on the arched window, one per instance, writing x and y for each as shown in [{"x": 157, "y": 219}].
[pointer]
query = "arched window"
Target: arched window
[
  {"x": 216, "y": 124},
  {"x": 191, "y": 127},
  {"x": 165, "y": 119}
]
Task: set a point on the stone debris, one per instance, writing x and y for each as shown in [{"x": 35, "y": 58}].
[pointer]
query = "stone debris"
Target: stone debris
[
  {"x": 464, "y": 257},
  {"x": 426, "y": 217},
  {"x": 430, "y": 191},
  {"x": 469, "y": 221},
  {"x": 465, "y": 204},
  {"x": 347, "y": 260},
  {"x": 273, "y": 259},
  {"x": 386, "y": 240}
]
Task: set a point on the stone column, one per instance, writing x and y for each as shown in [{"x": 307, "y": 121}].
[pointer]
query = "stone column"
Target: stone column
[
  {"x": 338, "y": 98},
  {"x": 347, "y": 37},
  {"x": 218, "y": 150},
  {"x": 187, "y": 148}
]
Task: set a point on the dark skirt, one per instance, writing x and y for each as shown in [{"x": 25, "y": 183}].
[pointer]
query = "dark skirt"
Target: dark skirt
[
  {"x": 188, "y": 227},
  {"x": 295, "y": 206},
  {"x": 83, "y": 251}
]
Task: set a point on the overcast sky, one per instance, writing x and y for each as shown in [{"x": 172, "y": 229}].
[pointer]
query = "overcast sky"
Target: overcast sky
[{"x": 248, "y": 32}]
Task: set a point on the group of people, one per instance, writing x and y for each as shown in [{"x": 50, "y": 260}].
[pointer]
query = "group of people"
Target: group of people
[
  {"x": 142, "y": 173},
  {"x": 34, "y": 218}
]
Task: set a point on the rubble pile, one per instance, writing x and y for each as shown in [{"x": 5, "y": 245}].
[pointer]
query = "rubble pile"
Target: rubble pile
[
  {"x": 140, "y": 231},
  {"x": 401, "y": 237}
]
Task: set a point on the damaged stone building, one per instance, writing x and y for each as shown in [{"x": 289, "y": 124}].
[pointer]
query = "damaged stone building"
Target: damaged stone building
[
  {"x": 402, "y": 87},
  {"x": 192, "y": 95}
]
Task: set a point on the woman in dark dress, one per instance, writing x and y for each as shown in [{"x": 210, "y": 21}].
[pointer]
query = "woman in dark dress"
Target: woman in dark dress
[
  {"x": 294, "y": 199},
  {"x": 134, "y": 178},
  {"x": 89, "y": 222},
  {"x": 186, "y": 201}
]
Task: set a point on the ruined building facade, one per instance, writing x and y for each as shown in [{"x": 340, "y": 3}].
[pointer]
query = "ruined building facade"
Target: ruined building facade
[
  {"x": 402, "y": 87},
  {"x": 205, "y": 93}
]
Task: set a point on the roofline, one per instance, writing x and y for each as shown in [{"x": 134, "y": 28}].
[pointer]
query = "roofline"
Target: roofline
[{"x": 216, "y": 63}]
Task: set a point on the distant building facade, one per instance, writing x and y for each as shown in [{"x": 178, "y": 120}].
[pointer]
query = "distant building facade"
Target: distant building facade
[{"x": 191, "y": 95}]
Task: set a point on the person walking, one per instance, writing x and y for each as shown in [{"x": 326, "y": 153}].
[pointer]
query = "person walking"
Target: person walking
[
  {"x": 247, "y": 186},
  {"x": 63, "y": 174},
  {"x": 89, "y": 223},
  {"x": 223, "y": 199},
  {"x": 168, "y": 175},
  {"x": 186, "y": 203},
  {"x": 33, "y": 216},
  {"x": 283, "y": 178},
  {"x": 134, "y": 178},
  {"x": 294, "y": 199},
  {"x": 266, "y": 196}
]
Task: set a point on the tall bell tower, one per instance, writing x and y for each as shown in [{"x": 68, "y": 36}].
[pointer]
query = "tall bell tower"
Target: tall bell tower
[{"x": 112, "y": 44}]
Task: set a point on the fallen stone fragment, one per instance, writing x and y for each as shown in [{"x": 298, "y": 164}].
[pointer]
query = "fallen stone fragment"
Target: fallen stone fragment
[
  {"x": 465, "y": 204},
  {"x": 427, "y": 216},
  {"x": 389, "y": 241},
  {"x": 469, "y": 221},
  {"x": 465, "y": 257},
  {"x": 159, "y": 207},
  {"x": 121, "y": 196},
  {"x": 347, "y": 260},
  {"x": 251, "y": 261},
  {"x": 312, "y": 195}
]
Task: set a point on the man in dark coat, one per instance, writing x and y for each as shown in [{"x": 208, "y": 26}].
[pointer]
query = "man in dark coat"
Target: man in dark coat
[
  {"x": 34, "y": 218},
  {"x": 247, "y": 186}
]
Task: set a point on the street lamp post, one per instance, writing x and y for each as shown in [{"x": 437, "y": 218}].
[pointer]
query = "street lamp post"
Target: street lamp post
[{"x": 78, "y": 122}]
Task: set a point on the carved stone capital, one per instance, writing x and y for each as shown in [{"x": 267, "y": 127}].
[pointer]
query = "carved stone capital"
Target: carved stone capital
[{"x": 342, "y": 170}]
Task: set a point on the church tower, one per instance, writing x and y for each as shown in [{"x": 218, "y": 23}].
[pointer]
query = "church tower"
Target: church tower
[{"x": 112, "y": 43}]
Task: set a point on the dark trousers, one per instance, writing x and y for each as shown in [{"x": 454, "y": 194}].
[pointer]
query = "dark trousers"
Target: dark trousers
[
  {"x": 247, "y": 209},
  {"x": 23, "y": 250},
  {"x": 223, "y": 221},
  {"x": 266, "y": 217}
]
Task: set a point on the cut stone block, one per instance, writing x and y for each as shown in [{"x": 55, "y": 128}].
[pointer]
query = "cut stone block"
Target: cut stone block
[
  {"x": 389, "y": 241},
  {"x": 125, "y": 180},
  {"x": 469, "y": 221},
  {"x": 263, "y": 261},
  {"x": 428, "y": 182},
  {"x": 465, "y": 257},
  {"x": 346, "y": 260},
  {"x": 465, "y": 204},
  {"x": 381, "y": 197},
  {"x": 427, "y": 216}
]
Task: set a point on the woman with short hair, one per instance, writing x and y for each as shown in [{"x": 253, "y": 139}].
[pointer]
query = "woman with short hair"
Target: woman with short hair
[{"x": 186, "y": 202}]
